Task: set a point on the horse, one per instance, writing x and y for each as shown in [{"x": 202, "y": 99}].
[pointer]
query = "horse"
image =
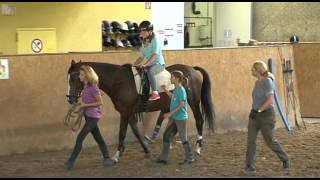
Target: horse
[{"x": 117, "y": 81}]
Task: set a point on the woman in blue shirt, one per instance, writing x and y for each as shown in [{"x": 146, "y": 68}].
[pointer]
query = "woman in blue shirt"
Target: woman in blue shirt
[
  {"x": 151, "y": 52},
  {"x": 262, "y": 118},
  {"x": 178, "y": 117}
]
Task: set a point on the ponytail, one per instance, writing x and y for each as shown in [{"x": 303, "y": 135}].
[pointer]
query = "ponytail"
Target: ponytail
[
  {"x": 182, "y": 79},
  {"x": 270, "y": 75},
  {"x": 185, "y": 80}
]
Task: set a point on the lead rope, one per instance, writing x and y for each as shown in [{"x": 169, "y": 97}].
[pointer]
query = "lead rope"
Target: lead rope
[{"x": 74, "y": 117}]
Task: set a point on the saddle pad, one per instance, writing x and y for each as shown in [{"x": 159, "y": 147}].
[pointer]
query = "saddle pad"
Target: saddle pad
[{"x": 162, "y": 78}]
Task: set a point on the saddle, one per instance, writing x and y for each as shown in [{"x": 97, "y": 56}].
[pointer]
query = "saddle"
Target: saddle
[{"x": 142, "y": 82}]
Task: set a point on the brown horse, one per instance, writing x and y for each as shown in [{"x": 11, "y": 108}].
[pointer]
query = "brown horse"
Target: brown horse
[{"x": 117, "y": 81}]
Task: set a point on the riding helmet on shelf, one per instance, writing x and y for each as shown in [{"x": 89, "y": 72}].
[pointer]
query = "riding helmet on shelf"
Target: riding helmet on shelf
[
  {"x": 132, "y": 40},
  {"x": 123, "y": 27},
  {"x": 107, "y": 27},
  {"x": 130, "y": 26},
  {"x": 135, "y": 27},
  {"x": 115, "y": 27},
  {"x": 107, "y": 41}
]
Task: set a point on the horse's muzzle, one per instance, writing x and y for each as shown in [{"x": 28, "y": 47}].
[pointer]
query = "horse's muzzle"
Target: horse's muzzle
[{"x": 72, "y": 99}]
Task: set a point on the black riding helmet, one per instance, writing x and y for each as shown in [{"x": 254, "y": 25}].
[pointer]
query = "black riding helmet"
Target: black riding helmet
[
  {"x": 145, "y": 26},
  {"x": 107, "y": 26},
  {"x": 130, "y": 26},
  {"x": 135, "y": 27},
  {"x": 115, "y": 26}
]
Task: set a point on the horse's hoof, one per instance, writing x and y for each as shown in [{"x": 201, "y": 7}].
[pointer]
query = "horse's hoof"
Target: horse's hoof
[
  {"x": 198, "y": 151},
  {"x": 147, "y": 155},
  {"x": 115, "y": 160}
]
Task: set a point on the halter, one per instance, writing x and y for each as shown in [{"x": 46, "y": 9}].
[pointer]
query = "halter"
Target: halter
[{"x": 75, "y": 93}]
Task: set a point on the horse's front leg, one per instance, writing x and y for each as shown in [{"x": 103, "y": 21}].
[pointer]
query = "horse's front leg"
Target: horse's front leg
[
  {"x": 133, "y": 123},
  {"x": 122, "y": 135}
]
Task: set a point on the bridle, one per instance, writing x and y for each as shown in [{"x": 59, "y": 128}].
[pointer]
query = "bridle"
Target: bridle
[{"x": 75, "y": 94}]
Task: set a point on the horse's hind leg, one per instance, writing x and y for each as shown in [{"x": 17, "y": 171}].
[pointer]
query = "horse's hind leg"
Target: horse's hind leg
[
  {"x": 122, "y": 135},
  {"x": 133, "y": 123},
  {"x": 199, "y": 124}
]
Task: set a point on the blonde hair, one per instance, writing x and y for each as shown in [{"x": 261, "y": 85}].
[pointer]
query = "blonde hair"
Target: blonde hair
[
  {"x": 90, "y": 74},
  {"x": 180, "y": 76},
  {"x": 262, "y": 69}
]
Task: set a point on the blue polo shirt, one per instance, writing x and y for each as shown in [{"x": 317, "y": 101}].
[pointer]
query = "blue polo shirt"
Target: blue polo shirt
[
  {"x": 260, "y": 93},
  {"x": 154, "y": 47},
  {"x": 179, "y": 94}
]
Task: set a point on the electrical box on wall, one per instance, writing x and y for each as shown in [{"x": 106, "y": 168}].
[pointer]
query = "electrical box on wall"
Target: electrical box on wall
[
  {"x": 8, "y": 9},
  {"x": 36, "y": 40}
]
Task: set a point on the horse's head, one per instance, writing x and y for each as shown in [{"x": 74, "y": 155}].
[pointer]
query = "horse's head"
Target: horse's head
[{"x": 75, "y": 86}]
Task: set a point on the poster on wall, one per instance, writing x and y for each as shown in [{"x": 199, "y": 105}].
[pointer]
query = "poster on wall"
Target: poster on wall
[
  {"x": 4, "y": 69},
  {"x": 168, "y": 22}
]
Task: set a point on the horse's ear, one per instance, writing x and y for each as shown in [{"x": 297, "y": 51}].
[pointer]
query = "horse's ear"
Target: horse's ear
[{"x": 73, "y": 62}]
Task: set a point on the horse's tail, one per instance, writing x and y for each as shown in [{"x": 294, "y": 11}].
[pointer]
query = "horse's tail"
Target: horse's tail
[{"x": 206, "y": 99}]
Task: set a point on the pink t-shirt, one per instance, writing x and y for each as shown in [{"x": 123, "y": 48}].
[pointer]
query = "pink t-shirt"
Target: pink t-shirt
[{"x": 89, "y": 96}]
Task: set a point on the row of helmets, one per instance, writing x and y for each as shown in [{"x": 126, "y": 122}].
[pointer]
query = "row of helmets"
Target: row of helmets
[
  {"x": 130, "y": 41},
  {"x": 119, "y": 27}
]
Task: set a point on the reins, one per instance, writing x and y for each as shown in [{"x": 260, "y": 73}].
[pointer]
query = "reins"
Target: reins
[{"x": 74, "y": 117}]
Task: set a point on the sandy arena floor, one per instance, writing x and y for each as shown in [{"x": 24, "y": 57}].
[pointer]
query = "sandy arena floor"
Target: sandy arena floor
[{"x": 222, "y": 156}]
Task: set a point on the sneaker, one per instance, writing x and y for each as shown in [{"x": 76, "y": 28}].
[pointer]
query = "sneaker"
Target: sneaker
[
  {"x": 286, "y": 164},
  {"x": 150, "y": 139},
  {"x": 107, "y": 162},
  {"x": 159, "y": 161},
  {"x": 154, "y": 96},
  {"x": 249, "y": 171},
  {"x": 186, "y": 161}
]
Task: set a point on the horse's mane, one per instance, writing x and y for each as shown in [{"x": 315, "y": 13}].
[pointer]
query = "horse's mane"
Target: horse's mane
[{"x": 127, "y": 66}]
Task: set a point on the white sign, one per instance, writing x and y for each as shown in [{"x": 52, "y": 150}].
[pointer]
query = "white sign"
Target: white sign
[
  {"x": 168, "y": 23},
  {"x": 36, "y": 45},
  {"x": 4, "y": 69},
  {"x": 8, "y": 9}
]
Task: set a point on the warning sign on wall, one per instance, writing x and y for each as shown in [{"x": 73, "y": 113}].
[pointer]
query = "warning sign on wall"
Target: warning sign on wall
[
  {"x": 4, "y": 69},
  {"x": 36, "y": 40},
  {"x": 36, "y": 45}
]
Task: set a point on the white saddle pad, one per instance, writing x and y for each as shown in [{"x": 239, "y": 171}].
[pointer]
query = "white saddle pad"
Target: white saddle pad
[{"x": 162, "y": 78}]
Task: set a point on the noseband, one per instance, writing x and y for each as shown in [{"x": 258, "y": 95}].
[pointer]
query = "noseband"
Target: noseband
[{"x": 75, "y": 93}]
